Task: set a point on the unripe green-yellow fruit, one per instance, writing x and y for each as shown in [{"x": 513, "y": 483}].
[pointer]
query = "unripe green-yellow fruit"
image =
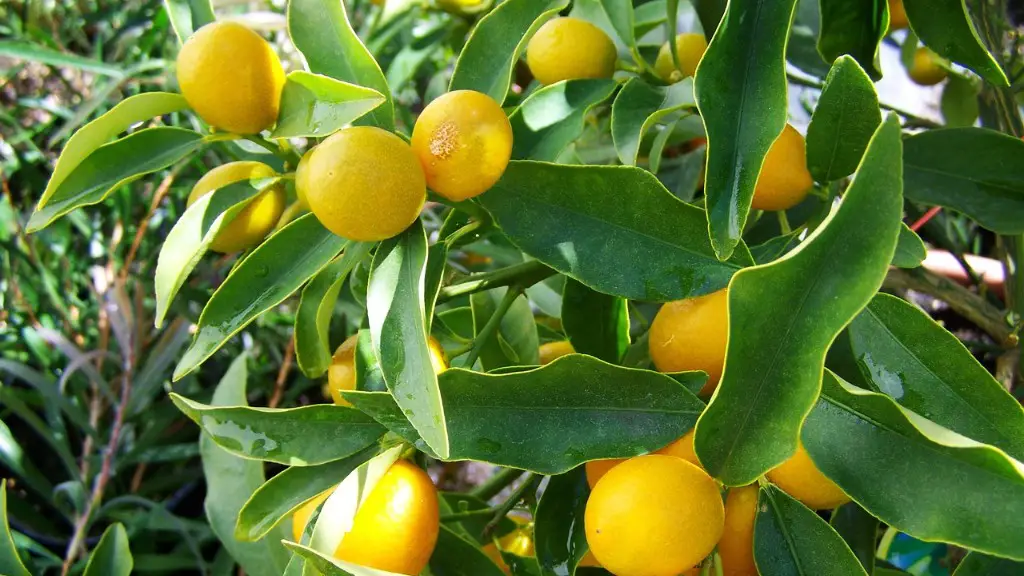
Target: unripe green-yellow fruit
[
  {"x": 926, "y": 70},
  {"x": 569, "y": 49},
  {"x": 690, "y": 49}
]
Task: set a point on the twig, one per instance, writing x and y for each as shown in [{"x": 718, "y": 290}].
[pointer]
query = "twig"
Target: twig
[
  {"x": 531, "y": 483},
  {"x": 924, "y": 219},
  {"x": 282, "y": 374},
  {"x": 526, "y": 274},
  {"x": 496, "y": 483},
  {"x": 492, "y": 324}
]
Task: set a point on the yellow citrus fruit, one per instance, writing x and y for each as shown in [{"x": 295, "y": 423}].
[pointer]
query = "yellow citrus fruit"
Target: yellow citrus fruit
[
  {"x": 341, "y": 375},
  {"x": 690, "y": 48},
  {"x": 551, "y": 351},
  {"x": 801, "y": 479},
  {"x": 396, "y": 527},
  {"x": 365, "y": 184},
  {"x": 588, "y": 560},
  {"x": 736, "y": 548},
  {"x": 568, "y": 49},
  {"x": 897, "y": 15},
  {"x": 925, "y": 69},
  {"x": 255, "y": 221},
  {"x": 691, "y": 334},
  {"x": 231, "y": 77},
  {"x": 681, "y": 448},
  {"x": 302, "y": 180},
  {"x": 784, "y": 180},
  {"x": 464, "y": 141},
  {"x": 301, "y": 516},
  {"x": 518, "y": 542},
  {"x": 653, "y": 515}
]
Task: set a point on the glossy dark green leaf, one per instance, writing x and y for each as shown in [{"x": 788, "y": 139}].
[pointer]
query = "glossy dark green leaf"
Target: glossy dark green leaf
[
  {"x": 791, "y": 539},
  {"x": 493, "y": 47},
  {"x": 396, "y": 311},
  {"x": 111, "y": 556},
  {"x": 368, "y": 375},
  {"x": 744, "y": 109},
  {"x": 976, "y": 564},
  {"x": 853, "y": 27},
  {"x": 313, "y": 316},
  {"x": 559, "y": 537},
  {"x": 551, "y": 118},
  {"x": 710, "y": 13},
  {"x": 437, "y": 264},
  {"x": 846, "y": 117},
  {"x": 317, "y": 105},
  {"x": 187, "y": 16},
  {"x": 283, "y": 494},
  {"x": 455, "y": 555},
  {"x": 320, "y": 29},
  {"x": 640, "y": 106},
  {"x": 802, "y": 49},
  {"x": 110, "y": 166},
  {"x": 192, "y": 235},
  {"x": 976, "y": 171},
  {"x": 615, "y": 229},
  {"x": 554, "y": 418},
  {"x": 959, "y": 104},
  {"x": 304, "y": 436},
  {"x": 515, "y": 343},
  {"x": 596, "y": 323},
  {"x": 909, "y": 357},
  {"x": 910, "y": 249},
  {"x": 783, "y": 317},
  {"x": 945, "y": 27},
  {"x": 860, "y": 531},
  {"x": 327, "y": 565},
  {"x": 230, "y": 481},
  {"x": 10, "y": 562},
  {"x": 964, "y": 493},
  {"x": 268, "y": 275}
]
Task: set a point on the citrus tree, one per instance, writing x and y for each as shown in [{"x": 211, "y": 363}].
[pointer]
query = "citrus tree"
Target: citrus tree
[{"x": 593, "y": 251}]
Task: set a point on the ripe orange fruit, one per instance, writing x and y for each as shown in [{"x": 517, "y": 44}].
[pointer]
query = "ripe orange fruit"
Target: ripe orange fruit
[
  {"x": 691, "y": 334},
  {"x": 926, "y": 70},
  {"x": 568, "y": 49},
  {"x": 257, "y": 219},
  {"x": 680, "y": 448},
  {"x": 301, "y": 516},
  {"x": 551, "y": 351},
  {"x": 736, "y": 548},
  {"x": 784, "y": 180},
  {"x": 897, "y": 15},
  {"x": 690, "y": 49},
  {"x": 801, "y": 479}
]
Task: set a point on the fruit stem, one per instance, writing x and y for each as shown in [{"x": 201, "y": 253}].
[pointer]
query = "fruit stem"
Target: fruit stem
[
  {"x": 289, "y": 156},
  {"x": 523, "y": 275},
  {"x": 492, "y": 324},
  {"x": 784, "y": 222},
  {"x": 496, "y": 483}
]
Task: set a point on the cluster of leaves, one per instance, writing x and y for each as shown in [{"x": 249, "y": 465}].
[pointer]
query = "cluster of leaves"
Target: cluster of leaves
[{"x": 889, "y": 404}]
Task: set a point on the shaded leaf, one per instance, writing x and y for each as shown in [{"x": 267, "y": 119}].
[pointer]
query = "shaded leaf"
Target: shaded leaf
[
  {"x": 855, "y": 28},
  {"x": 317, "y": 105},
  {"x": 639, "y": 106},
  {"x": 945, "y": 27},
  {"x": 187, "y": 16},
  {"x": 551, "y": 118},
  {"x": 515, "y": 342},
  {"x": 330, "y": 566},
  {"x": 910, "y": 249},
  {"x": 111, "y": 556},
  {"x": 559, "y": 536},
  {"x": 959, "y": 102},
  {"x": 775, "y": 248},
  {"x": 455, "y": 555},
  {"x": 10, "y": 562},
  {"x": 35, "y": 53},
  {"x": 596, "y": 324},
  {"x": 860, "y": 531},
  {"x": 975, "y": 564}
]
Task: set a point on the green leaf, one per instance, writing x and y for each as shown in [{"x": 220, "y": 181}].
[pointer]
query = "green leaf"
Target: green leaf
[
  {"x": 111, "y": 556},
  {"x": 455, "y": 555},
  {"x": 554, "y": 418},
  {"x": 615, "y": 229},
  {"x": 230, "y": 481},
  {"x": 515, "y": 343},
  {"x": 614, "y": 17},
  {"x": 791, "y": 539},
  {"x": 111, "y": 166},
  {"x": 35, "y": 53},
  {"x": 945, "y": 27},
  {"x": 597, "y": 324},
  {"x": 493, "y": 47},
  {"x": 959, "y": 103},
  {"x": 268, "y": 275},
  {"x": 330, "y": 566},
  {"x": 855, "y": 28},
  {"x": 910, "y": 249},
  {"x": 640, "y": 106},
  {"x": 368, "y": 375},
  {"x": 904, "y": 354},
  {"x": 313, "y": 105},
  {"x": 784, "y": 316},
  {"x": 744, "y": 109},
  {"x": 412, "y": 56},
  {"x": 304, "y": 436},
  {"x": 10, "y": 562},
  {"x": 710, "y": 13},
  {"x": 802, "y": 48},
  {"x": 846, "y": 117},
  {"x": 472, "y": 526},
  {"x": 193, "y": 233},
  {"x": 434, "y": 276},
  {"x": 860, "y": 531},
  {"x": 975, "y": 564},
  {"x": 187, "y": 16},
  {"x": 551, "y": 118},
  {"x": 13, "y": 457},
  {"x": 964, "y": 493},
  {"x": 559, "y": 537},
  {"x": 972, "y": 170},
  {"x": 396, "y": 312},
  {"x": 775, "y": 248},
  {"x": 283, "y": 494},
  {"x": 313, "y": 316},
  {"x": 320, "y": 29}
]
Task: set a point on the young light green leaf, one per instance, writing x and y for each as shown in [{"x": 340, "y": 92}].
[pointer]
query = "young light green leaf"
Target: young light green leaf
[
  {"x": 10, "y": 562},
  {"x": 976, "y": 564},
  {"x": 860, "y": 531},
  {"x": 230, "y": 481},
  {"x": 329, "y": 566},
  {"x": 515, "y": 342},
  {"x": 853, "y": 28},
  {"x": 111, "y": 556},
  {"x": 846, "y": 117},
  {"x": 972, "y": 170},
  {"x": 271, "y": 273},
  {"x": 945, "y": 27},
  {"x": 741, "y": 93},
  {"x": 417, "y": 52},
  {"x": 904, "y": 354},
  {"x": 965, "y": 493},
  {"x": 551, "y": 118},
  {"x": 396, "y": 312},
  {"x": 642, "y": 242},
  {"x": 596, "y": 324},
  {"x": 493, "y": 47},
  {"x": 959, "y": 104},
  {"x": 640, "y": 106},
  {"x": 559, "y": 537},
  {"x": 456, "y": 555},
  {"x": 313, "y": 316},
  {"x": 314, "y": 105},
  {"x": 187, "y": 16},
  {"x": 106, "y": 168},
  {"x": 910, "y": 249},
  {"x": 304, "y": 436},
  {"x": 791, "y": 539},
  {"x": 320, "y": 29},
  {"x": 783, "y": 317},
  {"x": 192, "y": 235}
]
